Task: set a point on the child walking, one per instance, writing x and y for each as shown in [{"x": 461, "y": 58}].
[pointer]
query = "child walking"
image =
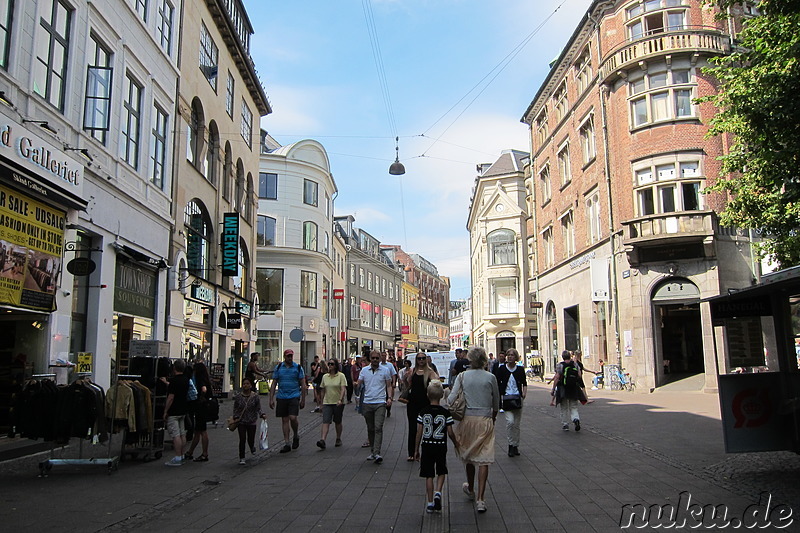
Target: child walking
[{"x": 434, "y": 425}]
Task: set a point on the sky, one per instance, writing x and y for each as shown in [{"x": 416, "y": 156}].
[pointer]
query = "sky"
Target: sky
[{"x": 456, "y": 95}]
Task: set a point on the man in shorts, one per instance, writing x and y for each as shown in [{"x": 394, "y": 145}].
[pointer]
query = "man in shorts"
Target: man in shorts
[
  {"x": 289, "y": 381},
  {"x": 175, "y": 410}
]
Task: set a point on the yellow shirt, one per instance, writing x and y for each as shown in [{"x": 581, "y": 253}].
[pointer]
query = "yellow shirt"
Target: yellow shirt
[{"x": 333, "y": 386}]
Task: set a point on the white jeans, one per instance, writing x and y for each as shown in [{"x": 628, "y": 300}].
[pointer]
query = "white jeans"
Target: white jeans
[
  {"x": 569, "y": 411},
  {"x": 513, "y": 419}
]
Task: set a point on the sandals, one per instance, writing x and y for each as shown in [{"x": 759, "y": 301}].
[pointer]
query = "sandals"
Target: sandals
[{"x": 201, "y": 459}]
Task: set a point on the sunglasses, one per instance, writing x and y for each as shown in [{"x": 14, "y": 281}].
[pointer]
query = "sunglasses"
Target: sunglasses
[
  {"x": 375, "y": 358},
  {"x": 421, "y": 358},
  {"x": 331, "y": 364}
]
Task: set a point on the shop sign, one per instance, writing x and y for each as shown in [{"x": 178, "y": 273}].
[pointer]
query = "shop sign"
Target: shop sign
[
  {"x": 135, "y": 290},
  {"x": 338, "y": 294},
  {"x": 42, "y": 158},
  {"x": 243, "y": 308},
  {"x": 230, "y": 244},
  {"x": 84, "y": 362},
  {"x": 81, "y": 266},
  {"x": 31, "y": 244},
  {"x": 233, "y": 321},
  {"x": 203, "y": 294}
]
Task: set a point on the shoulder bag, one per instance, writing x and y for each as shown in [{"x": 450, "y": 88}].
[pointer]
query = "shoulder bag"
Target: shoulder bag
[{"x": 458, "y": 405}]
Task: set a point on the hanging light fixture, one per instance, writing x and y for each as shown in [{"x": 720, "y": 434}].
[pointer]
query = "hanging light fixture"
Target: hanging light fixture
[{"x": 397, "y": 168}]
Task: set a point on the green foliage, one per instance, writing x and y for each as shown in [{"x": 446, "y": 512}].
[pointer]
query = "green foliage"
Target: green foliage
[{"x": 759, "y": 103}]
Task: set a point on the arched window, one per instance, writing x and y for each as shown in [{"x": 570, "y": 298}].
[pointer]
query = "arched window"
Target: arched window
[
  {"x": 240, "y": 186},
  {"x": 212, "y": 153},
  {"x": 241, "y": 282},
  {"x": 502, "y": 248},
  {"x": 195, "y": 134},
  {"x": 552, "y": 330},
  {"x": 227, "y": 171},
  {"x": 248, "y": 199},
  {"x": 197, "y": 227},
  {"x": 310, "y": 236}
]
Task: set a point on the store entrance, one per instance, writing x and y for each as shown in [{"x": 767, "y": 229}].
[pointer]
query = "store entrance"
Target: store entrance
[{"x": 679, "y": 331}]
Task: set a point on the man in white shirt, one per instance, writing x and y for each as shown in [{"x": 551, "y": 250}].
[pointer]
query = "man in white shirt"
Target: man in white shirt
[
  {"x": 377, "y": 391},
  {"x": 393, "y": 371}
]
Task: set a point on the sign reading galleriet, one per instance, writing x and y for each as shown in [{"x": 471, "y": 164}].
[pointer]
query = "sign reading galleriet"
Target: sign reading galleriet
[
  {"x": 230, "y": 244},
  {"x": 31, "y": 243}
]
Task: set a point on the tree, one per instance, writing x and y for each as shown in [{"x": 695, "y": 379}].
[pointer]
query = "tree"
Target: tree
[{"x": 759, "y": 103}]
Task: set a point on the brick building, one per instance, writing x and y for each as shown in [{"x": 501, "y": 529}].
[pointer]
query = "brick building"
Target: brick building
[{"x": 623, "y": 245}]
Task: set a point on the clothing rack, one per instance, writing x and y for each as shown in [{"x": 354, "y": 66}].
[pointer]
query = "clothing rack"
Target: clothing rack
[
  {"x": 111, "y": 462},
  {"x": 150, "y": 443}
]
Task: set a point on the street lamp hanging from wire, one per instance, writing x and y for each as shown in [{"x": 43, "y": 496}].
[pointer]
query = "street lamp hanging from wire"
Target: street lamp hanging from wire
[{"x": 397, "y": 168}]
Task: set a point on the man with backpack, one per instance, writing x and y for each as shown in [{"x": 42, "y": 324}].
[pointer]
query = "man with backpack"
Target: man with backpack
[
  {"x": 567, "y": 391},
  {"x": 289, "y": 381}
]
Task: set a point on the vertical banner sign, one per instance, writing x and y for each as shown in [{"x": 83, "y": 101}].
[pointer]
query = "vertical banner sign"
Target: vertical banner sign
[
  {"x": 230, "y": 244},
  {"x": 31, "y": 243}
]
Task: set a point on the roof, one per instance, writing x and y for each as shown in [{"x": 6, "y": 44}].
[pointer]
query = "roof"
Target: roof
[{"x": 509, "y": 162}]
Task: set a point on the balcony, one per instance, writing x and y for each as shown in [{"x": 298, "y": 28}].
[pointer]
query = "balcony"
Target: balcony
[
  {"x": 669, "y": 236},
  {"x": 691, "y": 39}
]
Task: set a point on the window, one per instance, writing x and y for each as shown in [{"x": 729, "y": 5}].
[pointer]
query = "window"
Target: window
[
  {"x": 387, "y": 319},
  {"x": 310, "y": 192},
  {"x": 502, "y": 250},
  {"x": 212, "y": 154},
  {"x": 355, "y": 310},
  {"x": 308, "y": 289},
  {"x": 383, "y": 287},
  {"x": 391, "y": 291},
  {"x": 659, "y": 96},
  {"x": 376, "y": 317},
  {"x": 326, "y": 246},
  {"x": 265, "y": 231},
  {"x": 365, "y": 314},
  {"x": 50, "y": 67},
  {"x": 541, "y": 127},
  {"x": 361, "y": 277},
  {"x": 568, "y": 234},
  {"x": 164, "y": 30},
  {"x": 503, "y": 297},
  {"x": 269, "y": 286},
  {"x": 241, "y": 282},
  {"x": 229, "y": 94},
  {"x": 586, "y": 133},
  {"x": 544, "y": 180},
  {"x": 650, "y": 17},
  {"x": 247, "y": 124},
  {"x": 131, "y": 119},
  {"x": 158, "y": 147},
  {"x": 227, "y": 171},
  {"x": 583, "y": 71},
  {"x": 209, "y": 57},
  {"x": 668, "y": 187},
  {"x": 6, "y": 18},
  {"x": 326, "y": 287},
  {"x": 194, "y": 134},
  {"x": 369, "y": 281},
  {"x": 99, "y": 79},
  {"x": 247, "y": 208},
  {"x": 560, "y": 103},
  {"x": 309, "y": 236},
  {"x": 197, "y": 225},
  {"x": 352, "y": 274},
  {"x": 141, "y": 9},
  {"x": 564, "y": 168},
  {"x": 593, "y": 227},
  {"x": 549, "y": 247},
  {"x": 267, "y": 186}
]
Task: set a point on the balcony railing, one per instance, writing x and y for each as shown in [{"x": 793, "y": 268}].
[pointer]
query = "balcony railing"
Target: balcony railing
[
  {"x": 680, "y": 226},
  {"x": 689, "y": 39}
]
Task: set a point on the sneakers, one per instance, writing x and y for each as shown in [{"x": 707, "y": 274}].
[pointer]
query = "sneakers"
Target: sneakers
[
  {"x": 577, "y": 424},
  {"x": 286, "y": 449},
  {"x": 371, "y": 457},
  {"x": 565, "y": 427},
  {"x": 594, "y": 388},
  {"x": 321, "y": 444},
  {"x": 295, "y": 442},
  {"x": 175, "y": 461},
  {"x": 378, "y": 459},
  {"x": 480, "y": 506},
  {"x": 470, "y": 494},
  {"x": 437, "y": 501},
  {"x": 430, "y": 507},
  {"x": 242, "y": 461}
]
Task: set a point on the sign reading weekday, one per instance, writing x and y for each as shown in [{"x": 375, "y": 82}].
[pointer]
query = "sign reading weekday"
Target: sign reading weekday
[{"x": 230, "y": 244}]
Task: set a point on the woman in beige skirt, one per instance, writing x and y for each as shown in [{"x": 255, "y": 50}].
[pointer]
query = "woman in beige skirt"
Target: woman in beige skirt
[{"x": 476, "y": 432}]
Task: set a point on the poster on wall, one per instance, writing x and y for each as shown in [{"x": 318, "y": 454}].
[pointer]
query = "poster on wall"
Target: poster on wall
[{"x": 31, "y": 244}]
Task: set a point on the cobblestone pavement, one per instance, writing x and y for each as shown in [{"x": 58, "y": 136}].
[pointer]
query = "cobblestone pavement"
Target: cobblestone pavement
[{"x": 633, "y": 449}]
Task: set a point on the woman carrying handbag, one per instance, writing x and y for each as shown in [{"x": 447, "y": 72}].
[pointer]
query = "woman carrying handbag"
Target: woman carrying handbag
[
  {"x": 513, "y": 387},
  {"x": 416, "y": 382},
  {"x": 246, "y": 412}
]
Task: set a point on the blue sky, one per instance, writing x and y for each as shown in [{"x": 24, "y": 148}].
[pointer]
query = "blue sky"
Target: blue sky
[{"x": 316, "y": 63}]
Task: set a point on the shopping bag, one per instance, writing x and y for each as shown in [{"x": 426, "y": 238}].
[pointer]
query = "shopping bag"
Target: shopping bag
[{"x": 263, "y": 429}]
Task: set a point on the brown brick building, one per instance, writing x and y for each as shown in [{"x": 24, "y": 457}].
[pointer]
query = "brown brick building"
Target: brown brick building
[{"x": 622, "y": 243}]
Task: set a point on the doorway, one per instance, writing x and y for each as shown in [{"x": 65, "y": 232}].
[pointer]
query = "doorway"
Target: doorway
[
  {"x": 505, "y": 341},
  {"x": 678, "y": 324}
]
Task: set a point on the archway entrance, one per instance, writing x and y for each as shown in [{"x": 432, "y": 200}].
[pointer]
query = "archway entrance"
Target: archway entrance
[
  {"x": 679, "y": 332},
  {"x": 506, "y": 340}
]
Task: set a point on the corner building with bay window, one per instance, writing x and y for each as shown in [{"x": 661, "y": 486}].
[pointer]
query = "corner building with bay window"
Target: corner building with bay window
[{"x": 623, "y": 244}]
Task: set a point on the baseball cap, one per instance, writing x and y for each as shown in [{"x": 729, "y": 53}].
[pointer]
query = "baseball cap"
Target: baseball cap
[{"x": 288, "y": 352}]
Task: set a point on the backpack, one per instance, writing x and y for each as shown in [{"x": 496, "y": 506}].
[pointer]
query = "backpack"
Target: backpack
[{"x": 569, "y": 375}]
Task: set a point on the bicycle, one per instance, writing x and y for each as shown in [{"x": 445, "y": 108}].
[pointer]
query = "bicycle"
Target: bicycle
[{"x": 623, "y": 381}]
